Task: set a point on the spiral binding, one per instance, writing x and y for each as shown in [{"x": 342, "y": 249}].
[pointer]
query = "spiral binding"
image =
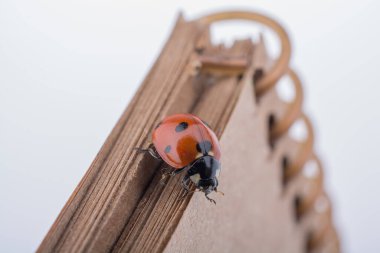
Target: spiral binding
[{"x": 312, "y": 199}]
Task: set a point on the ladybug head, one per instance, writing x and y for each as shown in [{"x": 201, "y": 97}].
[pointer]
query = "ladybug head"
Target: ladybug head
[
  {"x": 204, "y": 173},
  {"x": 208, "y": 185}
]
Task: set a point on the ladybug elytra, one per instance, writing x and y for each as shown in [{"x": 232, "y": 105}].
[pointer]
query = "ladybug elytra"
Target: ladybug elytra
[{"x": 186, "y": 143}]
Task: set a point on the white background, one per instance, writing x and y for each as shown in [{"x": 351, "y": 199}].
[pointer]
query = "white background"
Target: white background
[{"x": 69, "y": 68}]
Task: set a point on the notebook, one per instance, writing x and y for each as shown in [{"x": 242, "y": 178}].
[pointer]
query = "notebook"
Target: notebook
[{"x": 274, "y": 200}]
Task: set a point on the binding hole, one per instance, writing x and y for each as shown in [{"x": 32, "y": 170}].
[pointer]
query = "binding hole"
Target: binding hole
[
  {"x": 199, "y": 50},
  {"x": 257, "y": 76},
  {"x": 271, "y": 122},
  {"x": 297, "y": 208},
  {"x": 309, "y": 242},
  {"x": 239, "y": 77},
  {"x": 284, "y": 167}
]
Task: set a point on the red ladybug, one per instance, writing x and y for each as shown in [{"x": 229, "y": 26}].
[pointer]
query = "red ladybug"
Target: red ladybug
[{"x": 186, "y": 143}]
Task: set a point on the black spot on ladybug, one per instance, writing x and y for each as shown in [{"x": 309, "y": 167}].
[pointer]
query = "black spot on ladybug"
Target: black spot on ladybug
[
  {"x": 181, "y": 127},
  {"x": 168, "y": 148},
  {"x": 204, "y": 147}
]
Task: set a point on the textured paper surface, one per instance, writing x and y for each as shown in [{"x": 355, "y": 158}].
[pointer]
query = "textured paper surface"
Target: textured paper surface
[{"x": 253, "y": 216}]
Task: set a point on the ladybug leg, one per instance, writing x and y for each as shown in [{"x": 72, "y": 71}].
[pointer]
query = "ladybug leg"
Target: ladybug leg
[
  {"x": 185, "y": 183},
  {"x": 177, "y": 171},
  {"x": 186, "y": 179},
  {"x": 185, "y": 186},
  {"x": 210, "y": 199},
  {"x": 165, "y": 170},
  {"x": 151, "y": 151},
  {"x": 171, "y": 173}
]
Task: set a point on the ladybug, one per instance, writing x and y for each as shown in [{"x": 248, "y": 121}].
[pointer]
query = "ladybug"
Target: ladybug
[{"x": 186, "y": 143}]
